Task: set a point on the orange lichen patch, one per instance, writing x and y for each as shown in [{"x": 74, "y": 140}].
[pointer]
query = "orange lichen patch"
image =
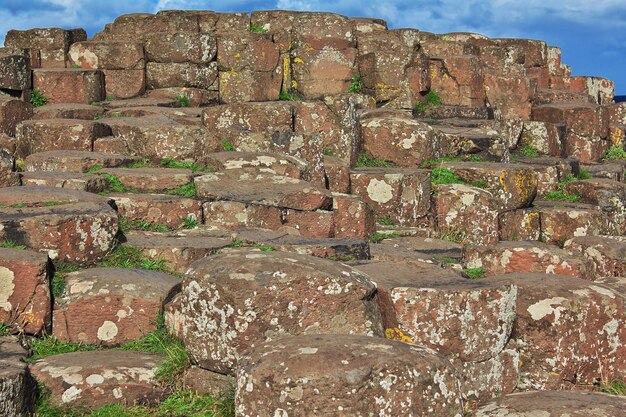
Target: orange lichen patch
[{"x": 397, "y": 334}]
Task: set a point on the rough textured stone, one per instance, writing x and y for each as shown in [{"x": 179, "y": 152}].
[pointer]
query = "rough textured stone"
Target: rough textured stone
[
  {"x": 353, "y": 217},
  {"x": 73, "y": 161},
  {"x": 603, "y": 256},
  {"x": 235, "y": 301},
  {"x": 106, "y": 306},
  {"x": 163, "y": 75},
  {"x": 95, "y": 379},
  {"x": 161, "y": 209},
  {"x": 70, "y": 85},
  {"x": 18, "y": 389},
  {"x": 561, "y": 221},
  {"x": 14, "y": 70},
  {"x": 107, "y": 55},
  {"x": 609, "y": 196},
  {"x": 369, "y": 377},
  {"x": 68, "y": 111},
  {"x": 25, "y": 291},
  {"x": 568, "y": 331},
  {"x": 12, "y": 112},
  {"x": 74, "y": 227},
  {"x": 151, "y": 179},
  {"x": 510, "y": 257},
  {"x": 554, "y": 404},
  {"x": 258, "y": 162},
  {"x": 82, "y": 182}
]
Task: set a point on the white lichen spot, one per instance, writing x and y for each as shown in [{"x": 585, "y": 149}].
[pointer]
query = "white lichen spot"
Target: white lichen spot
[{"x": 107, "y": 331}]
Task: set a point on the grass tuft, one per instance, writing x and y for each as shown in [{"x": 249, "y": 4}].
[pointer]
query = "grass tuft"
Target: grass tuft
[
  {"x": 615, "y": 387},
  {"x": 114, "y": 184},
  {"x": 583, "y": 174},
  {"x": 48, "y": 346},
  {"x": 528, "y": 151},
  {"x": 94, "y": 169},
  {"x": 37, "y": 98},
  {"x": 474, "y": 273},
  {"x": 432, "y": 99},
  {"x": 445, "y": 260},
  {"x": 127, "y": 224},
  {"x": 187, "y": 190},
  {"x": 264, "y": 248},
  {"x": 257, "y": 29},
  {"x": 9, "y": 244},
  {"x": 228, "y": 146},
  {"x": 379, "y": 237},
  {"x": 367, "y": 160},
  {"x": 615, "y": 153},
  {"x": 194, "y": 166},
  {"x": 561, "y": 193},
  {"x": 131, "y": 257},
  {"x": 386, "y": 221},
  {"x": 6, "y": 329},
  {"x": 452, "y": 235},
  {"x": 291, "y": 95},
  {"x": 442, "y": 176},
  {"x": 183, "y": 100},
  {"x": 190, "y": 222},
  {"x": 433, "y": 163},
  {"x": 356, "y": 84}
]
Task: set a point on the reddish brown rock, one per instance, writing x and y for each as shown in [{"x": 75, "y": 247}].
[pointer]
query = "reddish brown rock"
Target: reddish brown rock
[
  {"x": 70, "y": 85},
  {"x": 201, "y": 381},
  {"x": 567, "y": 330},
  {"x": 14, "y": 69},
  {"x": 60, "y": 134},
  {"x": 369, "y": 377},
  {"x": 398, "y": 138},
  {"x": 158, "y": 209},
  {"x": 163, "y": 75},
  {"x": 12, "y": 112},
  {"x": 318, "y": 223},
  {"x": 458, "y": 79},
  {"x": 601, "y": 90},
  {"x": 511, "y": 257},
  {"x": 230, "y": 303},
  {"x": 150, "y": 179},
  {"x": 178, "y": 249},
  {"x": 106, "y": 306},
  {"x": 510, "y": 95},
  {"x": 234, "y": 215},
  {"x": 94, "y": 379},
  {"x": 259, "y": 162},
  {"x": 609, "y": 196},
  {"x": 68, "y": 111},
  {"x": 107, "y": 55},
  {"x": 561, "y": 221},
  {"x": 26, "y": 301},
  {"x": 353, "y": 217},
  {"x": 337, "y": 175},
  {"x": 523, "y": 224},
  {"x": 603, "y": 256},
  {"x": 262, "y": 189},
  {"x": 547, "y": 138},
  {"x": 19, "y": 388},
  {"x": 197, "y": 48},
  {"x": 323, "y": 70},
  {"x": 401, "y": 194},
  {"x": 74, "y": 181},
  {"x": 512, "y": 186},
  {"x": 73, "y": 161},
  {"x": 71, "y": 226},
  {"x": 468, "y": 213},
  {"x": 124, "y": 84},
  {"x": 554, "y": 404}
]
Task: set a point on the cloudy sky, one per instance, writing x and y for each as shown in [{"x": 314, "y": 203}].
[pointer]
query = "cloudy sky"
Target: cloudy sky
[{"x": 592, "y": 33}]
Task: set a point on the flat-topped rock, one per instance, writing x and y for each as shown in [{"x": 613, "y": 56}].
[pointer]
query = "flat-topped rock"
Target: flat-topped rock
[
  {"x": 95, "y": 379},
  {"x": 68, "y": 111},
  {"x": 263, "y": 189},
  {"x": 27, "y": 303},
  {"x": 369, "y": 376},
  {"x": 159, "y": 209},
  {"x": 69, "y": 85},
  {"x": 554, "y": 404},
  {"x": 236, "y": 300},
  {"x": 74, "y": 161},
  {"x": 525, "y": 256},
  {"x": 429, "y": 246},
  {"x": 151, "y": 179},
  {"x": 71, "y": 226},
  {"x": 75, "y": 181},
  {"x": 179, "y": 249},
  {"x": 259, "y": 162},
  {"x": 107, "y": 306},
  {"x": 18, "y": 389},
  {"x": 604, "y": 256},
  {"x": 559, "y": 344},
  {"x": 513, "y": 186}
]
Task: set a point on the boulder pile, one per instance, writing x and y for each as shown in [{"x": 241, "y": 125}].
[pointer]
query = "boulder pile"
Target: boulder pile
[{"x": 315, "y": 213}]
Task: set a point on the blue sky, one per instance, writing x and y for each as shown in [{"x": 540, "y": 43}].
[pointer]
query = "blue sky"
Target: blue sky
[{"x": 592, "y": 33}]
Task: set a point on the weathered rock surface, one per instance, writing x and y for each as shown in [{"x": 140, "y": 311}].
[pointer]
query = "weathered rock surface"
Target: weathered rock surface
[
  {"x": 18, "y": 389},
  {"x": 366, "y": 377},
  {"x": 235, "y": 301}
]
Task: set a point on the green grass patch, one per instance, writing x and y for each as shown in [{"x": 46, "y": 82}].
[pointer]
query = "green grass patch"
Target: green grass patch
[
  {"x": 94, "y": 169},
  {"x": 190, "y": 222},
  {"x": 47, "y": 346},
  {"x": 18, "y": 205},
  {"x": 329, "y": 152},
  {"x": 228, "y": 146},
  {"x": 6, "y": 329},
  {"x": 562, "y": 196},
  {"x": 182, "y": 100},
  {"x": 119, "y": 115},
  {"x": 528, "y": 151},
  {"x": 584, "y": 174},
  {"x": 445, "y": 260},
  {"x": 126, "y": 225},
  {"x": 452, "y": 235},
  {"x": 615, "y": 387},
  {"x": 432, "y": 99},
  {"x": 194, "y": 166},
  {"x": 53, "y": 203},
  {"x": 366, "y": 160},
  {"x": 187, "y": 190},
  {"x": 237, "y": 243},
  {"x": 385, "y": 221},
  {"x": 434, "y": 163},
  {"x": 474, "y": 273},
  {"x": 139, "y": 163},
  {"x": 9, "y": 244},
  {"x": 442, "y": 176},
  {"x": 241, "y": 244},
  {"x": 257, "y": 29},
  {"x": 615, "y": 153},
  {"x": 342, "y": 258},
  {"x": 114, "y": 184},
  {"x": 290, "y": 95},
  {"x": 20, "y": 165},
  {"x": 379, "y": 237},
  {"x": 37, "y": 98},
  {"x": 264, "y": 248},
  {"x": 131, "y": 257},
  {"x": 356, "y": 84},
  {"x": 58, "y": 280}
]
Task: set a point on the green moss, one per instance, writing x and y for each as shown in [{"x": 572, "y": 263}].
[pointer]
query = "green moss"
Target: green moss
[
  {"x": 139, "y": 163},
  {"x": 183, "y": 100},
  {"x": 289, "y": 95},
  {"x": 356, "y": 84},
  {"x": 19, "y": 205},
  {"x": 94, "y": 169},
  {"x": 192, "y": 165},
  {"x": 442, "y": 176},
  {"x": 228, "y": 146},
  {"x": 124, "y": 256},
  {"x": 367, "y": 160},
  {"x": 9, "y": 244},
  {"x": 126, "y": 225},
  {"x": 385, "y": 221},
  {"x": 187, "y": 190},
  {"x": 584, "y": 175},
  {"x": 37, "y": 98},
  {"x": 379, "y": 237},
  {"x": 474, "y": 273},
  {"x": 114, "y": 184},
  {"x": 615, "y": 153},
  {"x": 329, "y": 152},
  {"x": 264, "y": 248},
  {"x": 432, "y": 99},
  {"x": 257, "y": 29},
  {"x": 445, "y": 260},
  {"x": 342, "y": 258},
  {"x": 615, "y": 387}
]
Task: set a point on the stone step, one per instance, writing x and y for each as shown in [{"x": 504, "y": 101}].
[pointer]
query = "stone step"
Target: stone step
[
  {"x": 546, "y": 137},
  {"x": 16, "y": 379},
  {"x": 197, "y": 97},
  {"x": 609, "y": 196},
  {"x": 70, "y": 85},
  {"x": 371, "y": 367},
  {"x": 456, "y": 112},
  {"x": 110, "y": 307},
  {"x": 28, "y": 303},
  {"x": 184, "y": 115},
  {"x": 58, "y": 134},
  {"x": 260, "y": 162},
  {"x": 271, "y": 294},
  {"x": 91, "y": 183},
  {"x": 48, "y": 46},
  {"x": 552, "y": 403},
  {"x": 552, "y": 331},
  {"x": 550, "y": 95},
  {"x": 615, "y": 170},
  {"x": 94, "y": 379},
  {"x": 170, "y": 211},
  {"x": 178, "y": 249},
  {"x": 604, "y": 256},
  {"x": 150, "y": 179},
  {"x": 525, "y": 256},
  {"x": 71, "y": 226},
  {"x": 68, "y": 111},
  {"x": 74, "y": 161},
  {"x": 120, "y": 105}
]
